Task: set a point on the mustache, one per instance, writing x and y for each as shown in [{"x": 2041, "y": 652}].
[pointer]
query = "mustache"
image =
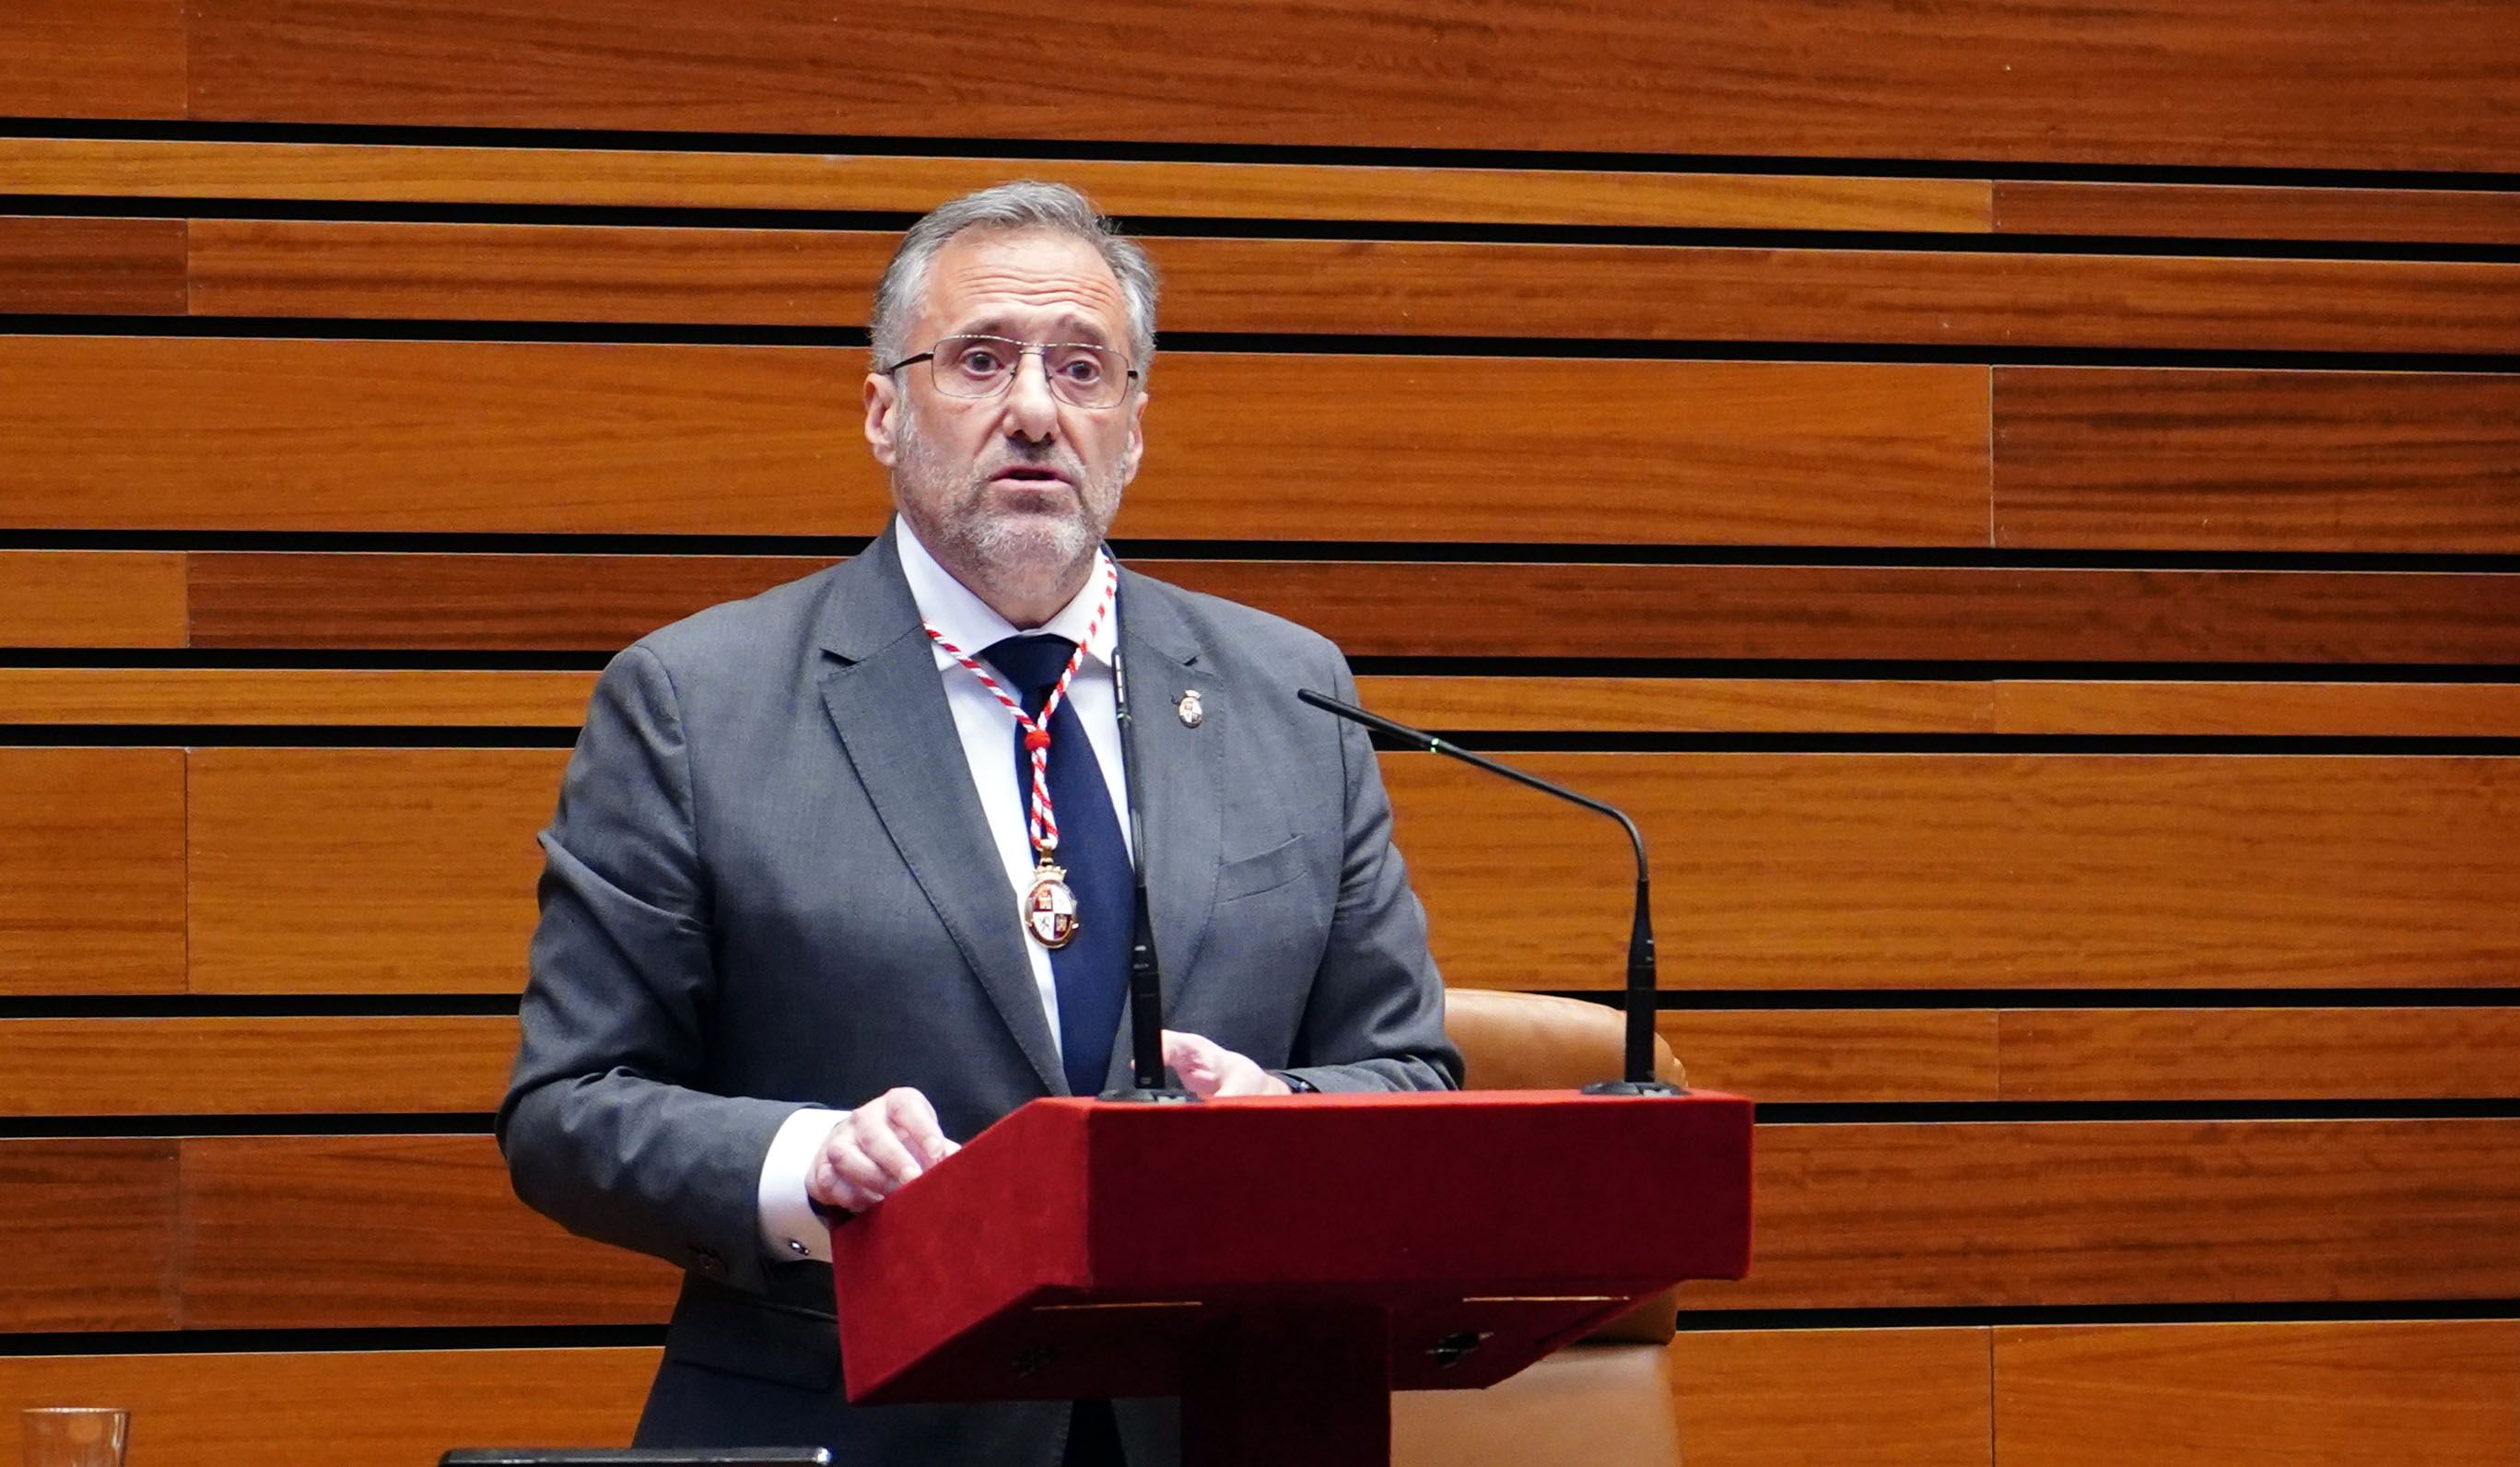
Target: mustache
[{"x": 1049, "y": 456}]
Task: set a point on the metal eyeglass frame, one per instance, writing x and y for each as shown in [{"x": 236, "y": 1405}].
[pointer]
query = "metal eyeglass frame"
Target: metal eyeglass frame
[{"x": 1023, "y": 348}]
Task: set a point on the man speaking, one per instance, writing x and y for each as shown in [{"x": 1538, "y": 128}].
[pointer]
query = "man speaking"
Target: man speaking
[{"x": 842, "y": 874}]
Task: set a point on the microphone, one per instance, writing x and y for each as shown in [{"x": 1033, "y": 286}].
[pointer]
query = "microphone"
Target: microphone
[{"x": 1641, "y": 994}]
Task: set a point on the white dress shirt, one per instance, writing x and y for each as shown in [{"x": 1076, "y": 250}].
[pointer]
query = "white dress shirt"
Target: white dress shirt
[{"x": 788, "y": 1224}]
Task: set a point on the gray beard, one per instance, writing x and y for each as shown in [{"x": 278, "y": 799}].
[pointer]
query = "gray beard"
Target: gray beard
[{"x": 1000, "y": 554}]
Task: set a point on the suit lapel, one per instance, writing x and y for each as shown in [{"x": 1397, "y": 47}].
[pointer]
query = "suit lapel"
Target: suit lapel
[
  {"x": 888, "y": 707},
  {"x": 1181, "y": 772}
]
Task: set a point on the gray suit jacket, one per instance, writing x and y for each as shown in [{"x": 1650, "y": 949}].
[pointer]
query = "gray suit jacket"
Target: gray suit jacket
[{"x": 769, "y": 884}]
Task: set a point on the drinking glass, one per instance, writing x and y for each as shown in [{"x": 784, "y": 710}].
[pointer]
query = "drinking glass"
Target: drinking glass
[{"x": 76, "y": 1436}]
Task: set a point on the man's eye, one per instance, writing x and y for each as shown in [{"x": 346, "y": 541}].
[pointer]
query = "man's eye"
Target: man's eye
[
  {"x": 980, "y": 361},
  {"x": 1081, "y": 369}
]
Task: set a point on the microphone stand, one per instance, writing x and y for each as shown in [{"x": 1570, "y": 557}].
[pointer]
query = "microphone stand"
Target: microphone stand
[
  {"x": 1641, "y": 988},
  {"x": 1145, "y": 979}
]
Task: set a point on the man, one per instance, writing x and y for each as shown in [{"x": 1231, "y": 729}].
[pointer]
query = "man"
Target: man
[{"x": 840, "y": 875}]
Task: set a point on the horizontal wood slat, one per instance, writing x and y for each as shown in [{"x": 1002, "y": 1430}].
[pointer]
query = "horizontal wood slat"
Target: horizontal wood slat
[
  {"x": 2310, "y": 709},
  {"x": 2245, "y": 211},
  {"x": 2127, "y": 459},
  {"x": 145, "y": 434},
  {"x": 1894, "y": 1397},
  {"x": 439, "y": 1239},
  {"x": 91, "y": 870},
  {"x": 1783, "y": 1056},
  {"x": 2258, "y": 1054},
  {"x": 2048, "y": 1213},
  {"x": 90, "y": 598},
  {"x": 90, "y": 1228},
  {"x": 92, "y": 59},
  {"x": 2445, "y": 1393},
  {"x": 381, "y": 1408},
  {"x": 887, "y": 183},
  {"x": 412, "y": 870},
  {"x": 2230, "y": 82},
  {"x": 1869, "y": 1216},
  {"x": 300, "y": 697},
  {"x": 88, "y": 266},
  {"x": 502, "y": 272},
  {"x": 459, "y": 1063},
  {"x": 249, "y": 1066},
  {"x": 456, "y": 698},
  {"x": 384, "y": 870},
  {"x": 1829, "y": 871},
  {"x": 601, "y": 603}
]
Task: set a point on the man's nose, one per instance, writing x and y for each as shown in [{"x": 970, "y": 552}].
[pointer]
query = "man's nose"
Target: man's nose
[{"x": 1032, "y": 410}]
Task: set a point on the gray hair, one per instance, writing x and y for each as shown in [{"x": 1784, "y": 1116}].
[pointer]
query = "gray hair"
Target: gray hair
[{"x": 1024, "y": 205}]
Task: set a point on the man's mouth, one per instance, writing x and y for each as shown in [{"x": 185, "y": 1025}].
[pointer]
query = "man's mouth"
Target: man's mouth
[{"x": 1030, "y": 474}]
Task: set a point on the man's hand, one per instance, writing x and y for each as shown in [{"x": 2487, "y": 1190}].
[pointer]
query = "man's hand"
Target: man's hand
[
  {"x": 876, "y": 1150},
  {"x": 1211, "y": 1071}
]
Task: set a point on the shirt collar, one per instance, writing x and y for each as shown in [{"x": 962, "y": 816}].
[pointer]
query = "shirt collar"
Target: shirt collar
[{"x": 963, "y": 619}]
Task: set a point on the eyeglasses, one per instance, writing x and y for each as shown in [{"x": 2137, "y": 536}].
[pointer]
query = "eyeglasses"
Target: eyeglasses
[{"x": 976, "y": 366}]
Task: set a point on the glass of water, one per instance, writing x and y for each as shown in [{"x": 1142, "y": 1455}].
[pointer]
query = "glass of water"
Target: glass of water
[{"x": 77, "y": 1436}]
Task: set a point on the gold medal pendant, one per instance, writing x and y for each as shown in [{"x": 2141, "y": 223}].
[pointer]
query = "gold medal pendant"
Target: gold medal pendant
[{"x": 1050, "y": 909}]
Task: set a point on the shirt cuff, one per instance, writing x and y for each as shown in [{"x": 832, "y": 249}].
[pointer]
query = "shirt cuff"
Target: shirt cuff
[{"x": 790, "y": 1231}]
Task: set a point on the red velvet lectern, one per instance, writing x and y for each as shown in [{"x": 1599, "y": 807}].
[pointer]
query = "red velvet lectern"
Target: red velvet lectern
[{"x": 1284, "y": 1264}]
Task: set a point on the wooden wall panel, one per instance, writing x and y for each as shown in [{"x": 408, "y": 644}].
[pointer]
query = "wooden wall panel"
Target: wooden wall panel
[
  {"x": 358, "y": 870},
  {"x": 2260, "y": 1054},
  {"x": 382, "y": 1408},
  {"x": 91, "y": 871},
  {"x": 501, "y": 272},
  {"x": 200, "y": 434},
  {"x": 89, "y": 598},
  {"x": 2443, "y": 1392},
  {"x": 1828, "y": 871},
  {"x": 2063, "y": 1212},
  {"x": 426, "y": 1231},
  {"x": 89, "y": 1229},
  {"x": 2230, "y": 82},
  {"x": 92, "y": 266},
  {"x": 344, "y": 870},
  {"x": 1422, "y": 609},
  {"x": 92, "y": 59},
  {"x": 2170, "y": 460},
  {"x": 353, "y": 697},
  {"x": 534, "y": 272},
  {"x": 1860, "y": 1216},
  {"x": 1849, "y": 1397},
  {"x": 549, "y": 437},
  {"x": 1790, "y": 1055},
  {"x": 148, "y": 167},
  {"x": 403, "y": 697},
  {"x": 2243, "y": 211},
  {"x": 252, "y": 1066},
  {"x": 1647, "y": 705},
  {"x": 2310, "y": 709}
]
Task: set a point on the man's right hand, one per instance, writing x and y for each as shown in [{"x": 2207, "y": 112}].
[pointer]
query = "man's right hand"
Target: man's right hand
[{"x": 876, "y": 1150}]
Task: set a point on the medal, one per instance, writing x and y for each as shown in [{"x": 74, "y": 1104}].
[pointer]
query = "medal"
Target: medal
[
  {"x": 1050, "y": 909},
  {"x": 1047, "y": 908}
]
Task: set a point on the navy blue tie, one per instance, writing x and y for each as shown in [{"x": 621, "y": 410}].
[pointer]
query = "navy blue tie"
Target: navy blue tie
[{"x": 1092, "y": 971}]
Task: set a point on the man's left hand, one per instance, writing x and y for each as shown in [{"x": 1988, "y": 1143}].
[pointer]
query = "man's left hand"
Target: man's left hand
[{"x": 1212, "y": 1072}]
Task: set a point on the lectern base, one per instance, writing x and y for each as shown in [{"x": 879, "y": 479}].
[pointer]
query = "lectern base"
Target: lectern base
[{"x": 1285, "y": 1386}]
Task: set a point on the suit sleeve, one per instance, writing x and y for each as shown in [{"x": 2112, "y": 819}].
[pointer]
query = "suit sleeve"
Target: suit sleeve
[
  {"x": 603, "y": 1127},
  {"x": 1375, "y": 1017}
]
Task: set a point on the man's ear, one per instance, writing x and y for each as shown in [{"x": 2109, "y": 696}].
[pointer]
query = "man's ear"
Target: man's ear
[
  {"x": 1137, "y": 448},
  {"x": 882, "y": 407}
]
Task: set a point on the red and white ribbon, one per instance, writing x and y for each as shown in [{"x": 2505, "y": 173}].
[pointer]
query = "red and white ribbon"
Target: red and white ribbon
[{"x": 1044, "y": 824}]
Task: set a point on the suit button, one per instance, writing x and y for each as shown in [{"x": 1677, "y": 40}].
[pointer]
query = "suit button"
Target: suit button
[{"x": 708, "y": 1262}]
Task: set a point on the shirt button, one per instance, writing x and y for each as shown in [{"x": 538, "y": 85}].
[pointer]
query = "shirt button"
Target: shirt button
[{"x": 797, "y": 1248}]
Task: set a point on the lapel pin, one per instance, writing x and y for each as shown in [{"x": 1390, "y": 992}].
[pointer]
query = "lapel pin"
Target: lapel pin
[{"x": 1192, "y": 715}]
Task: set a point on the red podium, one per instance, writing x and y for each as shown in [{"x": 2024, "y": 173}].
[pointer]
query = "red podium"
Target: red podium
[{"x": 1283, "y": 1265}]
